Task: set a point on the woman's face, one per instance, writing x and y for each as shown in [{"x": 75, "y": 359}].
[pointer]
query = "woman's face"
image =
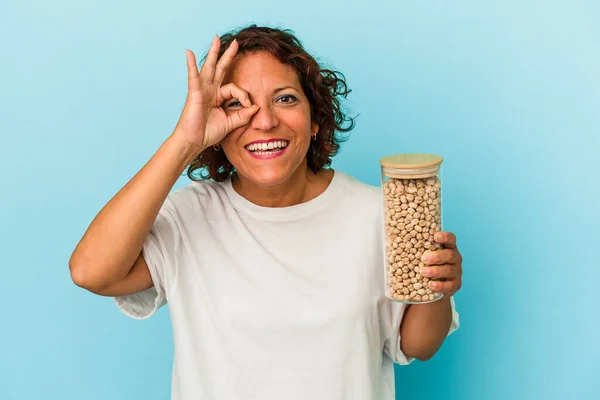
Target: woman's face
[{"x": 283, "y": 120}]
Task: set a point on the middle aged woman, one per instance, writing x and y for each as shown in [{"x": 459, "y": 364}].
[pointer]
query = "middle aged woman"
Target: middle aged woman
[{"x": 272, "y": 263}]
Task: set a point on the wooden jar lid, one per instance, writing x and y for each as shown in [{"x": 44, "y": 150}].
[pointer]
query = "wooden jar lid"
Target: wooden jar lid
[{"x": 411, "y": 165}]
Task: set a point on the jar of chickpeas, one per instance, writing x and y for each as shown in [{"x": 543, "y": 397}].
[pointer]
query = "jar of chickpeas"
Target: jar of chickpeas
[{"x": 411, "y": 185}]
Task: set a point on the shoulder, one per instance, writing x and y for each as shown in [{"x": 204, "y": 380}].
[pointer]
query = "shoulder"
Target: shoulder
[
  {"x": 361, "y": 206},
  {"x": 359, "y": 191},
  {"x": 196, "y": 195},
  {"x": 362, "y": 200}
]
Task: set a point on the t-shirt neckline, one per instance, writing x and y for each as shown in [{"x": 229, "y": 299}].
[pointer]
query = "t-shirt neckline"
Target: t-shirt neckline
[{"x": 297, "y": 211}]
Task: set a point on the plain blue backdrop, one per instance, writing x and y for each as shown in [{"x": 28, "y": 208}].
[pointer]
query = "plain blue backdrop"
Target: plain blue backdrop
[{"x": 508, "y": 92}]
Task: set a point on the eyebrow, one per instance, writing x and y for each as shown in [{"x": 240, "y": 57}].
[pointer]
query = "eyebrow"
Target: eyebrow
[{"x": 283, "y": 88}]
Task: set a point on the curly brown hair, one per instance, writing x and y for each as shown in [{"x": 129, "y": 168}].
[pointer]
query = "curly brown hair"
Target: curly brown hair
[{"x": 321, "y": 86}]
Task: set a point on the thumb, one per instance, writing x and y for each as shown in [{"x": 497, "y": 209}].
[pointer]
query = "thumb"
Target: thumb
[{"x": 242, "y": 117}]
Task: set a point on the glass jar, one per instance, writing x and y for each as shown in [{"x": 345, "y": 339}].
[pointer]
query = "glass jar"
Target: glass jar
[{"x": 411, "y": 186}]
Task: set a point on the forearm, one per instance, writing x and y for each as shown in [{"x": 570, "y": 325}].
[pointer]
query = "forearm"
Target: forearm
[
  {"x": 424, "y": 328},
  {"x": 115, "y": 237}
]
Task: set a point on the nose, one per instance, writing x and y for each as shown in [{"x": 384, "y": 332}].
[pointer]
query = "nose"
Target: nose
[{"x": 265, "y": 119}]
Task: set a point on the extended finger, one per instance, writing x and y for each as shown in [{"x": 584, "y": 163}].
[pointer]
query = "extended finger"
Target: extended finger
[
  {"x": 224, "y": 62},
  {"x": 192, "y": 71},
  {"x": 448, "y": 239},
  {"x": 207, "y": 73},
  {"x": 231, "y": 91}
]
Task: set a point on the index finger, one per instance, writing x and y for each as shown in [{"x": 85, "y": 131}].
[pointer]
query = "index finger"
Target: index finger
[{"x": 448, "y": 239}]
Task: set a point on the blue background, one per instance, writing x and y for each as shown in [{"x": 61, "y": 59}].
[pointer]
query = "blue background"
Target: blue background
[{"x": 508, "y": 92}]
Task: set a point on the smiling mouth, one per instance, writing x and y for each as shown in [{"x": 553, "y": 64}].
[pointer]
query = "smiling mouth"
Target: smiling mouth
[
  {"x": 273, "y": 147},
  {"x": 267, "y": 151}
]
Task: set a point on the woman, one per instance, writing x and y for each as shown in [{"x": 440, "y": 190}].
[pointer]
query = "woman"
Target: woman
[{"x": 272, "y": 267}]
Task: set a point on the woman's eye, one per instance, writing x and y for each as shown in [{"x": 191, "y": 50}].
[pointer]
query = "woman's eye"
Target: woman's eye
[
  {"x": 233, "y": 104},
  {"x": 288, "y": 97}
]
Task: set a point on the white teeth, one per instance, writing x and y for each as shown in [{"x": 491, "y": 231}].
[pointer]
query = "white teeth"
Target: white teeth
[{"x": 267, "y": 146}]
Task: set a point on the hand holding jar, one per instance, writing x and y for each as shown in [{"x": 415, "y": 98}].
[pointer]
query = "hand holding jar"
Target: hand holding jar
[{"x": 443, "y": 267}]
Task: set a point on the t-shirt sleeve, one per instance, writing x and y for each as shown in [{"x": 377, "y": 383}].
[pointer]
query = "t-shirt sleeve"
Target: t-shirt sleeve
[
  {"x": 159, "y": 251},
  {"x": 391, "y": 314}
]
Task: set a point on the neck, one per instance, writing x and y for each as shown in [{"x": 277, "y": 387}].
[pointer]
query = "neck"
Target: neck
[{"x": 297, "y": 189}]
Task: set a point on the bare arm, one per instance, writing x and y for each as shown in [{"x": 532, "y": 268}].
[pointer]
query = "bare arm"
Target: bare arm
[
  {"x": 108, "y": 259},
  {"x": 424, "y": 328},
  {"x": 112, "y": 244}
]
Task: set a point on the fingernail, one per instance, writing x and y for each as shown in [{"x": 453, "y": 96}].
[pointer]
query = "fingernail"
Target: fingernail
[
  {"x": 424, "y": 271},
  {"x": 426, "y": 257},
  {"x": 438, "y": 236}
]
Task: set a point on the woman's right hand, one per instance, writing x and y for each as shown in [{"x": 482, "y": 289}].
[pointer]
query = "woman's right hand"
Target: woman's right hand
[{"x": 203, "y": 122}]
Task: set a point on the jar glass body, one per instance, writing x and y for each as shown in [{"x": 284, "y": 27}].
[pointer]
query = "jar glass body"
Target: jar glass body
[{"x": 412, "y": 215}]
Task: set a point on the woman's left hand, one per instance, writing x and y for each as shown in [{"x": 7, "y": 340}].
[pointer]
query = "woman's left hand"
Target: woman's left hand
[{"x": 443, "y": 266}]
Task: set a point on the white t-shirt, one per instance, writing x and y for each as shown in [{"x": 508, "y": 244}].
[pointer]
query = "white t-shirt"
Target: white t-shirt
[{"x": 274, "y": 303}]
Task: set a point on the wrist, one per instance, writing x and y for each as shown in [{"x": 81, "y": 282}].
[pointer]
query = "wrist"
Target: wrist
[{"x": 187, "y": 151}]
